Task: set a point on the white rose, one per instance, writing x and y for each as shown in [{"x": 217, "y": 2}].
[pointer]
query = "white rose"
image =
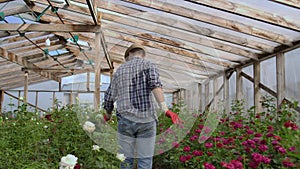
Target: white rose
[
  {"x": 96, "y": 148},
  {"x": 68, "y": 162},
  {"x": 121, "y": 157},
  {"x": 89, "y": 126}
]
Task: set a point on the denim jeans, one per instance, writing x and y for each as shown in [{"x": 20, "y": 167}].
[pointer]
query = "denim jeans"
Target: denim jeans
[{"x": 136, "y": 140}]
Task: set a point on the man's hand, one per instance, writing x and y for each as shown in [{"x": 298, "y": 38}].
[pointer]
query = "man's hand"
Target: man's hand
[
  {"x": 107, "y": 116},
  {"x": 174, "y": 117}
]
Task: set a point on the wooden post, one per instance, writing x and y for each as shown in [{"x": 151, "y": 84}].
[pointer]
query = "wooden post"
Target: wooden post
[
  {"x": 53, "y": 100},
  {"x": 280, "y": 77},
  {"x": 25, "y": 86},
  {"x": 111, "y": 74},
  {"x": 1, "y": 100},
  {"x": 239, "y": 84},
  {"x": 19, "y": 95},
  {"x": 59, "y": 86},
  {"x": 36, "y": 100},
  {"x": 97, "y": 71},
  {"x": 206, "y": 94},
  {"x": 215, "y": 90},
  {"x": 71, "y": 98},
  {"x": 200, "y": 97},
  {"x": 88, "y": 81},
  {"x": 257, "y": 94},
  {"x": 226, "y": 93}
]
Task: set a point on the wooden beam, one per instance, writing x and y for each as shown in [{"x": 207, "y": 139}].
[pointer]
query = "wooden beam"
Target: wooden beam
[
  {"x": 18, "y": 60},
  {"x": 212, "y": 19},
  {"x": 36, "y": 100},
  {"x": 168, "y": 62},
  {"x": 97, "y": 71},
  {"x": 262, "y": 86},
  {"x": 18, "y": 98},
  {"x": 206, "y": 95},
  {"x": 200, "y": 93},
  {"x": 15, "y": 9},
  {"x": 93, "y": 10},
  {"x": 47, "y": 28},
  {"x": 88, "y": 81},
  {"x": 20, "y": 83},
  {"x": 168, "y": 48},
  {"x": 253, "y": 13},
  {"x": 257, "y": 93},
  {"x": 226, "y": 93},
  {"x": 239, "y": 84},
  {"x": 280, "y": 77},
  {"x": 1, "y": 100},
  {"x": 211, "y": 48},
  {"x": 181, "y": 25},
  {"x": 215, "y": 95},
  {"x": 291, "y": 3},
  {"x": 25, "y": 86},
  {"x": 182, "y": 32}
]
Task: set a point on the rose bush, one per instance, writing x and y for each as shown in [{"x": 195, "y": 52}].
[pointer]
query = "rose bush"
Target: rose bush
[
  {"x": 28, "y": 141},
  {"x": 270, "y": 139}
]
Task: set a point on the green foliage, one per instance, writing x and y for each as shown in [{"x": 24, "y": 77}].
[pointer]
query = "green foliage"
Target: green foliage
[
  {"x": 234, "y": 130},
  {"x": 28, "y": 141}
]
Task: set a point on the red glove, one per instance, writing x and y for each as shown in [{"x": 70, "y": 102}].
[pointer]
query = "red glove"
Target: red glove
[
  {"x": 174, "y": 117},
  {"x": 107, "y": 117}
]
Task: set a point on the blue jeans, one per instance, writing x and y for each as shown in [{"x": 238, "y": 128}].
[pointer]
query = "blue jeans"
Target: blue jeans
[{"x": 136, "y": 140}]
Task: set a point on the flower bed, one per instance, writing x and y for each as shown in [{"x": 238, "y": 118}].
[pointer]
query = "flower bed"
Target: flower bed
[
  {"x": 63, "y": 138},
  {"x": 262, "y": 140},
  {"x": 58, "y": 139}
]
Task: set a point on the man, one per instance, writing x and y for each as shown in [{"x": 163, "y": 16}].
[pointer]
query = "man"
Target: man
[{"x": 131, "y": 87}]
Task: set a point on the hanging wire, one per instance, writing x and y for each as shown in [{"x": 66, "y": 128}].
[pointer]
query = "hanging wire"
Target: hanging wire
[
  {"x": 54, "y": 9},
  {"x": 23, "y": 35}
]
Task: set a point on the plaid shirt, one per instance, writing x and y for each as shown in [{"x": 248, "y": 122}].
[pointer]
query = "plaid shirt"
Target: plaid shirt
[{"x": 131, "y": 87}]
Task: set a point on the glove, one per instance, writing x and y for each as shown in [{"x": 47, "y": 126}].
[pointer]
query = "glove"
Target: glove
[
  {"x": 107, "y": 117},
  {"x": 174, "y": 117}
]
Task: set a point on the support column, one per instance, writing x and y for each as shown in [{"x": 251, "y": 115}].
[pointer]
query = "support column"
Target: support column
[
  {"x": 88, "y": 81},
  {"x": 206, "y": 94},
  {"x": 257, "y": 94},
  {"x": 53, "y": 100},
  {"x": 226, "y": 93},
  {"x": 239, "y": 84},
  {"x": 71, "y": 98},
  {"x": 25, "y": 87},
  {"x": 36, "y": 100},
  {"x": 1, "y": 100},
  {"x": 59, "y": 86},
  {"x": 280, "y": 77},
  {"x": 97, "y": 71},
  {"x": 111, "y": 72},
  {"x": 19, "y": 95},
  {"x": 200, "y": 97},
  {"x": 216, "y": 97}
]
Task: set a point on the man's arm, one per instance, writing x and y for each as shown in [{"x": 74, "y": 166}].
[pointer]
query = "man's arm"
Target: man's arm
[
  {"x": 159, "y": 96},
  {"x": 109, "y": 99}
]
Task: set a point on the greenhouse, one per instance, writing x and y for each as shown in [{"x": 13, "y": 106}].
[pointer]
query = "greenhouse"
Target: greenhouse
[{"x": 228, "y": 69}]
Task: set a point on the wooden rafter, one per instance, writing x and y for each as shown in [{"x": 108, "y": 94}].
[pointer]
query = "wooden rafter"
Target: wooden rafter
[
  {"x": 184, "y": 26},
  {"x": 47, "y": 28},
  {"x": 169, "y": 48},
  {"x": 93, "y": 10},
  {"x": 250, "y": 12},
  {"x": 212, "y": 19},
  {"x": 17, "y": 59},
  {"x": 178, "y": 34},
  {"x": 292, "y": 3}
]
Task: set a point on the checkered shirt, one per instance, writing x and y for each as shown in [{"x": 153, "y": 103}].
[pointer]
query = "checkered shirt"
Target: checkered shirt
[{"x": 131, "y": 88}]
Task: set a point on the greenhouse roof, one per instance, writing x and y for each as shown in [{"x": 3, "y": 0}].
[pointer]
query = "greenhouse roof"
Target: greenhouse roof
[{"x": 190, "y": 40}]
